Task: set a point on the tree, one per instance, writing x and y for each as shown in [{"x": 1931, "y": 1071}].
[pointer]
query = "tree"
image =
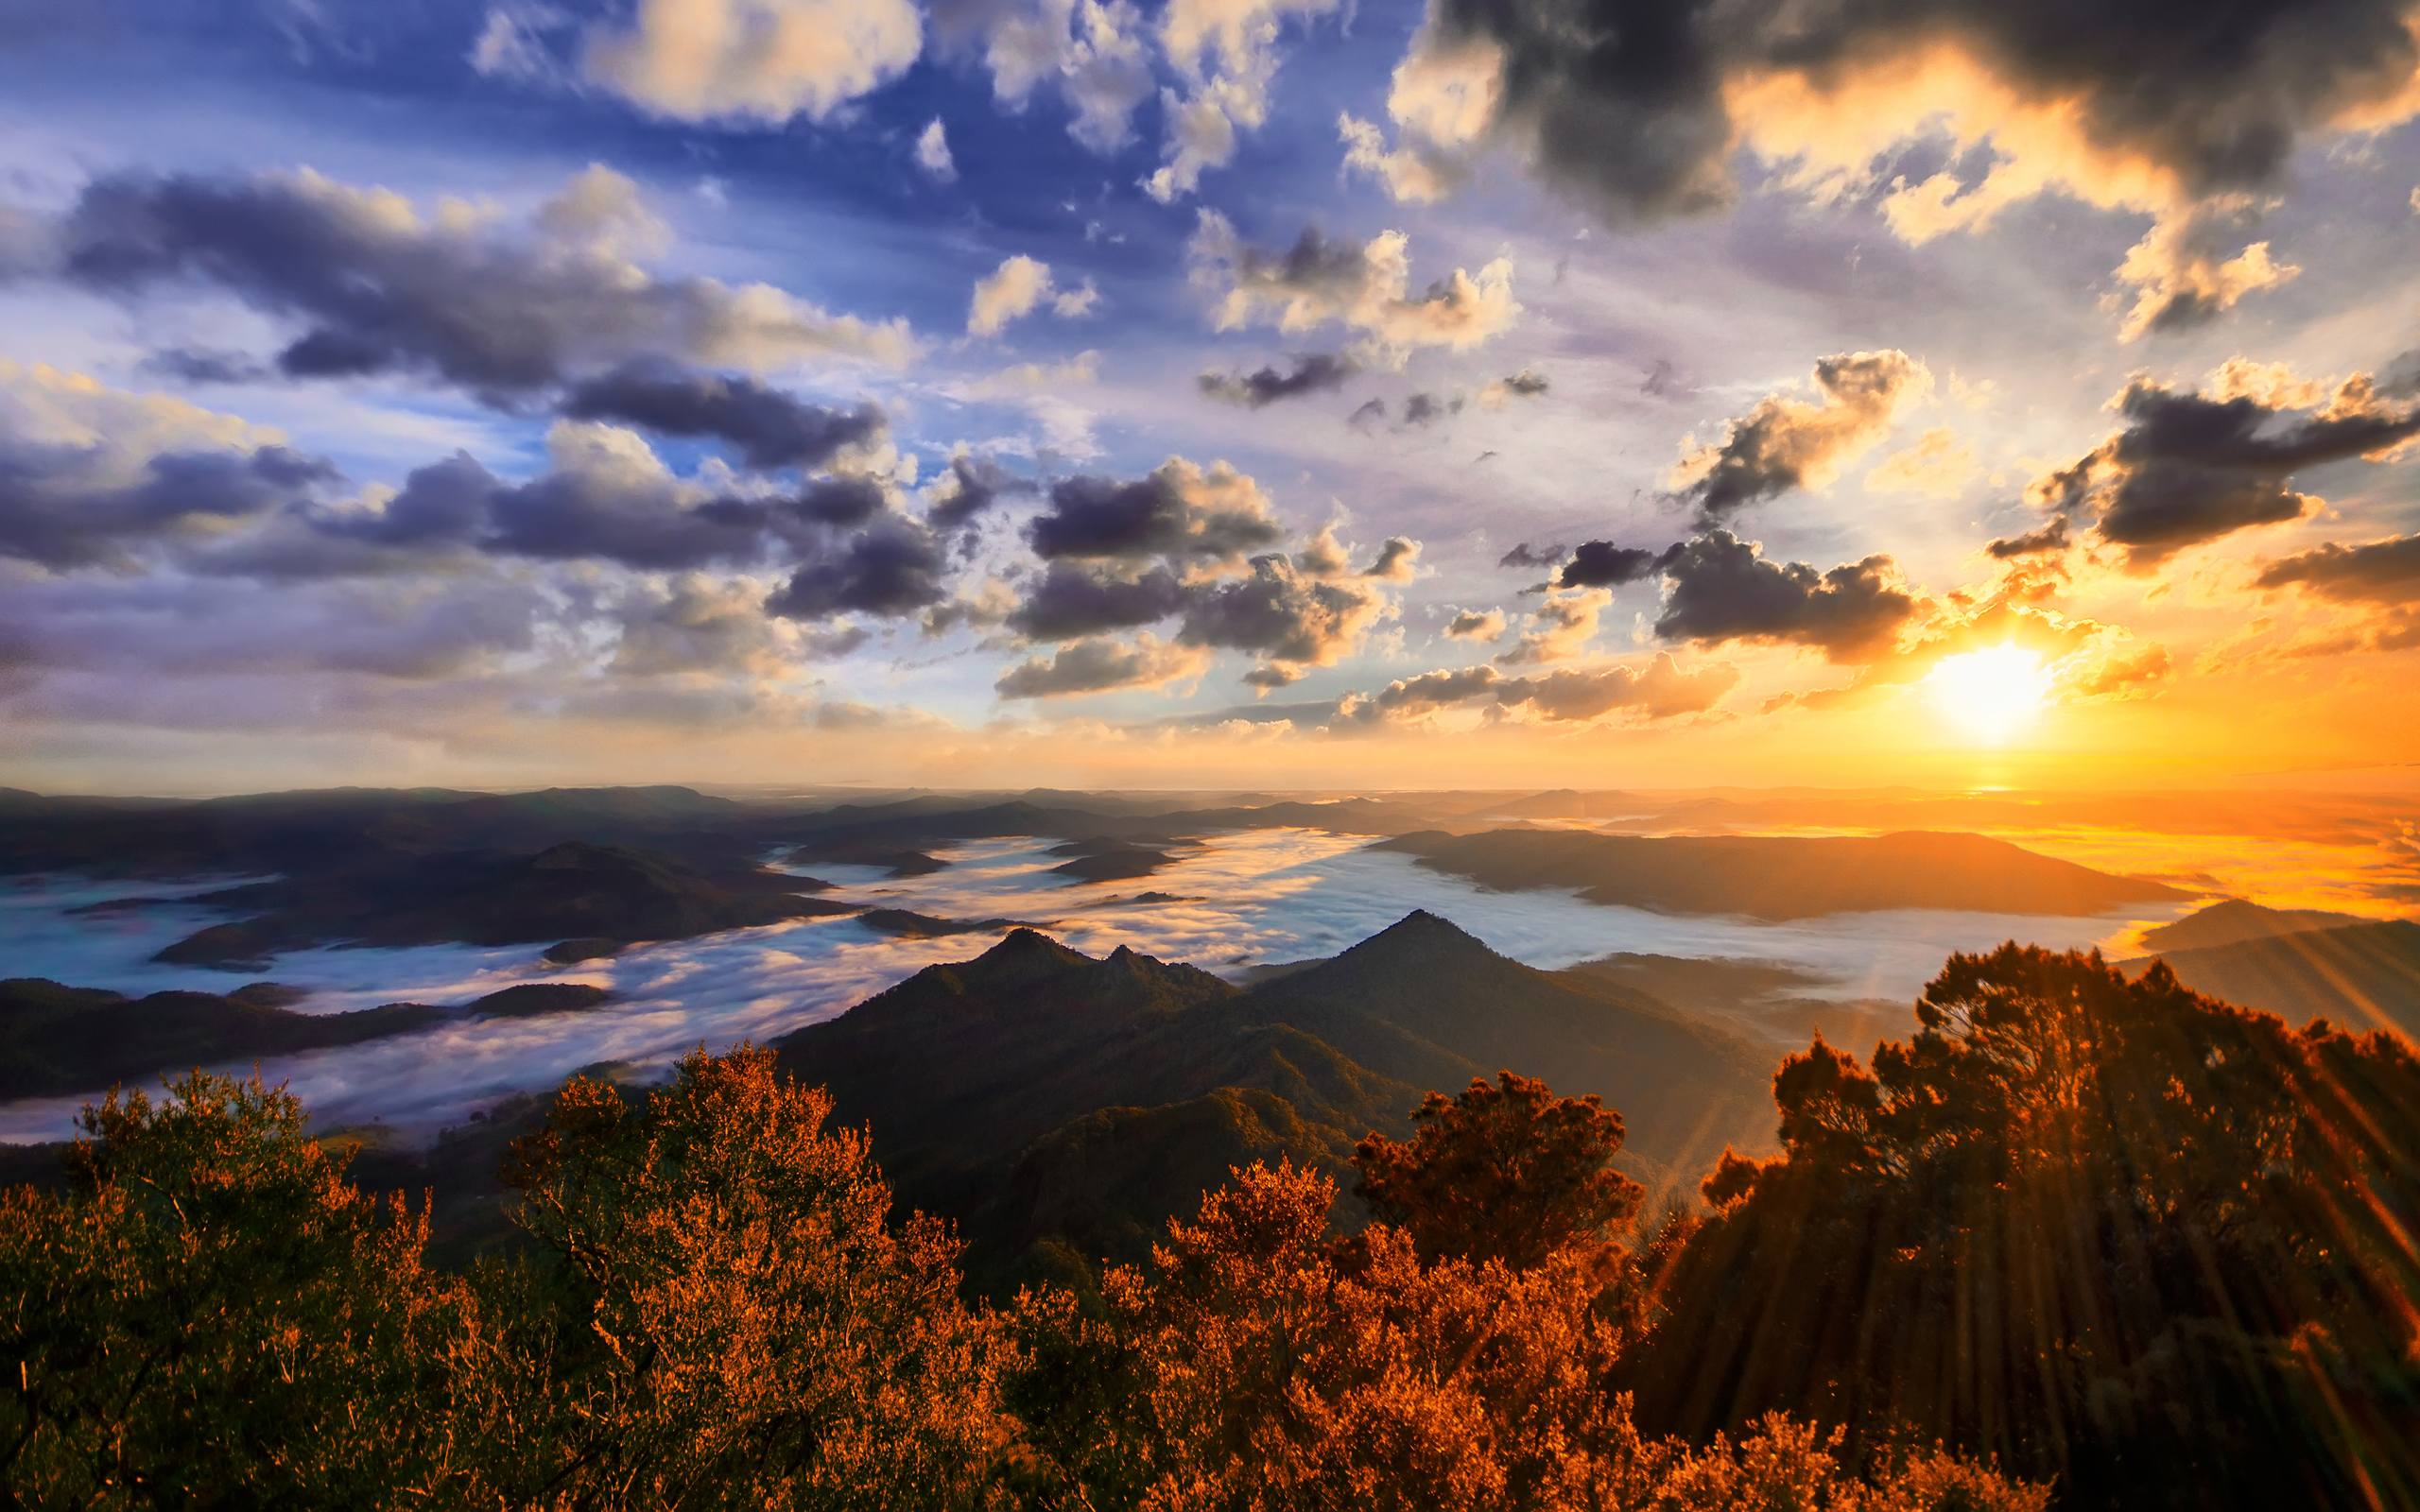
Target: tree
[
  {"x": 1258, "y": 1364},
  {"x": 2103, "y": 1228},
  {"x": 730, "y": 1319},
  {"x": 210, "y": 1314},
  {"x": 1508, "y": 1172}
]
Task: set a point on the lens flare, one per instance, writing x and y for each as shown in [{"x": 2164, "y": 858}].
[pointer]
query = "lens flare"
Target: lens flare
[{"x": 1991, "y": 695}]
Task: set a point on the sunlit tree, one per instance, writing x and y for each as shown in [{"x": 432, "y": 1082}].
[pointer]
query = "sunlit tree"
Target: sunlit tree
[
  {"x": 2105, "y": 1229},
  {"x": 735, "y": 1319},
  {"x": 210, "y": 1314},
  {"x": 1510, "y": 1172}
]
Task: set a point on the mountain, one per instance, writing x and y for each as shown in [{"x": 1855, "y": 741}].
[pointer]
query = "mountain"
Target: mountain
[
  {"x": 1424, "y": 1003},
  {"x": 592, "y": 894},
  {"x": 2232, "y": 920},
  {"x": 56, "y": 1038},
  {"x": 1780, "y": 877},
  {"x": 2359, "y": 976},
  {"x": 1052, "y": 1101}
]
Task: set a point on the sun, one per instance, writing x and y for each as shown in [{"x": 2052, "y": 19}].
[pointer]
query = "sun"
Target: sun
[{"x": 1991, "y": 695}]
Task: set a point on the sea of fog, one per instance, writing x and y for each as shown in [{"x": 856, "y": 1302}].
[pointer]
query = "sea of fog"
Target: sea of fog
[{"x": 1243, "y": 899}]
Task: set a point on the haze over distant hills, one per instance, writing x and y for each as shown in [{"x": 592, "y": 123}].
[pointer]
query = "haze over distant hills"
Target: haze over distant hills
[
  {"x": 2302, "y": 964},
  {"x": 1783, "y": 876}
]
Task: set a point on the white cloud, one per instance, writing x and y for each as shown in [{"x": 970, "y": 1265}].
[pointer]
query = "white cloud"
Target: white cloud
[
  {"x": 932, "y": 153},
  {"x": 1016, "y": 288},
  {"x": 763, "y": 62}
]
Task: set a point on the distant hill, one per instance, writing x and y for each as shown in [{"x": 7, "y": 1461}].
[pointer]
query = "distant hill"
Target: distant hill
[
  {"x": 1044, "y": 1097},
  {"x": 573, "y": 891},
  {"x": 1780, "y": 877},
  {"x": 2232, "y": 920},
  {"x": 56, "y": 1039},
  {"x": 2359, "y": 976}
]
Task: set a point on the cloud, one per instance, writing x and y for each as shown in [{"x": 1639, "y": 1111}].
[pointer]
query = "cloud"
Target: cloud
[
  {"x": 2375, "y": 572},
  {"x": 1100, "y": 666},
  {"x": 2188, "y": 467},
  {"x": 1440, "y": 100},
  {"x": 2119, "y": 678},
  {"x": 932, "y": 153},
  {"x": 1015, "y": 289},
  {"x": 1476, "y": 624},
  {"x": 754, "y": 61},
  {"x": 1398, "y": 561},
  {"x": 88, "y": 474},
  {"x": 2114, "y": 106},
  {"x": 971, "y": 487},
  {"x": 1067, "y": 602},
  {"x": 1526, "y": 384},
  {"x": 1226, "y": 51},
  {"x": 1561, "y": 627},
  {"x": 1786, "y": 442},
  {"x": 697, "y": 625},
  {"x": 1368, "y": 289},
  {"x": 2051, "y": 539},
  {"x": 1657, "y": 688},
  {"x": 1602, "y": 564},
  {"x": 1938, "y": 465},
  {"x": 894, "y": 567},
  {"x": 768, "y": 428},
  {"x": 1282, "y": 613},
  {"x": 2184, "y": 275},
  {"x": 2166, "y": 108},
  {"x": 1425, "y": 408},
  {"x": 206, "y": 366},
  {"x": 1721, "y": 588},
  {"x": 124, "y": 643},
  {"x": 1092, "y": 54},
  {"x": 1533, "y": 559},
  {"x": 377, "y": 288},
  {"x": 1313, "y": 373},
  {"x": 1182, "y": 512}
]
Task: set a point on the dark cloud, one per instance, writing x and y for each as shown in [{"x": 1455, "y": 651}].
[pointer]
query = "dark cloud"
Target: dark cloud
[
  {"x": 1426, "y": 409},
  {"x": 378, "y": 288},
  {"x": 1533, "y": 559},
  {"x": 1397, "y": 561},
  {"x": 1313, "y": 373},
  {"x": 767, "y": 427},
  {"x": 1371, "y": 412},
  {"x": 1664, "y": 380},
  {"x": 1282, "y": 613},
  {"x": 1602, "y": 564},
  {"x": 206, "y": 365},
  {"x": 636, "y": 518},
  {"x": 1721, "y": 587},
  {"x": 2378, "y": 572},
  {"x": 1526, "y": 384},
  {"x": 1067, "y": 601},
  {"x": 1628, "y": 104},
  {"x": 2050, "y": 538},
  {"x": 894, "y": 567},
  {"x": 974, "y": 484},
  {"x": 1785, "y": 442},
  {"x": 2190, "y": 467},
  {"x": 1179, "y": 512},
  {"x": 73, "y": 505},
  {"x": 1267, "y": 679}
]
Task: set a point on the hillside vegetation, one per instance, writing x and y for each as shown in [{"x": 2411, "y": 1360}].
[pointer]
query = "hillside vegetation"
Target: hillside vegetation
[{"x": 2082, "y": 1239}]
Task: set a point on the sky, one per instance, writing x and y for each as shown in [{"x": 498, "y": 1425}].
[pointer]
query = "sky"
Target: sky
[{"x": 1223, "y": 392}]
